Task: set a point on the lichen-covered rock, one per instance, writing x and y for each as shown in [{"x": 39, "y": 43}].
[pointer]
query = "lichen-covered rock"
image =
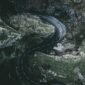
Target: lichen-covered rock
[
  {"x": 31, "y": 25},
  {"x": 8, "y": 38},
  {"x": 23, "y": 30}
]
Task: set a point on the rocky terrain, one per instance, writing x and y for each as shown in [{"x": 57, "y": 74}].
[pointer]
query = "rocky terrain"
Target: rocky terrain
[{"x": 26, "y": 56}]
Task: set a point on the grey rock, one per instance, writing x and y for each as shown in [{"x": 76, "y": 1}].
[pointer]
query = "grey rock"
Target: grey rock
[
  {"x": 30, "y": 25},
  {"x": 8, "y": 38}
]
